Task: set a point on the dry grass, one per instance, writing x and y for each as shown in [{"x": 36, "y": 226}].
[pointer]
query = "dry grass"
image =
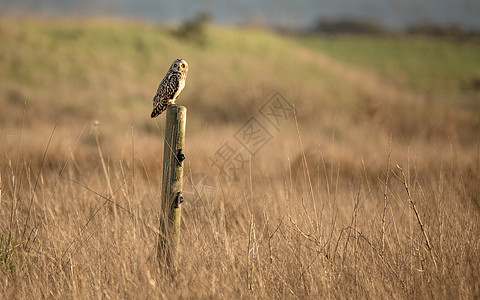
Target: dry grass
[{"x": 322, "y": 211}]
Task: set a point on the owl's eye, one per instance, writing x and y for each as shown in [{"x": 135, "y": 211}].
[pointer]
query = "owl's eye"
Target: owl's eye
[
  {"x": 175, "y": 65},
  {"x": 183, "y": 65}
]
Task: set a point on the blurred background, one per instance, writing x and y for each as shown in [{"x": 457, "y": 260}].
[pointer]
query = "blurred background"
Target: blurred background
[
  {"x": 301, "y": 15},
  {"x": 347, "y": 62}
]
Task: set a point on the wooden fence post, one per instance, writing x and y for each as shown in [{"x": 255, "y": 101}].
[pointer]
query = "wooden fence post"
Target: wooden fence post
[{"x": 172, "y": 186}]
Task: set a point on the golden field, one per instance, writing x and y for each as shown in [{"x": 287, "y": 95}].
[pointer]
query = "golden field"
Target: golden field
[{"x": 338, "y": 200}]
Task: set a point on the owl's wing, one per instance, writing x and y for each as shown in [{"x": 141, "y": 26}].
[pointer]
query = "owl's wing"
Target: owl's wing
[
  {"x": 171, "y": 87},
  {"x": 160, "y": 94},
  {"x": 167, "y": 88},
  {"x": 166, "y": 91}
]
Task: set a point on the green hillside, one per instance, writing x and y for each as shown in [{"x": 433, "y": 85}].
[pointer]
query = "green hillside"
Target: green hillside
[
  {"x": 80, "y": 70},
  {"x": 442, "y": 67}
]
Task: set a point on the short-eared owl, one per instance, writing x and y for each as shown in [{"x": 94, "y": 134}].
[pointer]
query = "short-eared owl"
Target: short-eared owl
[{"x": 170, "y": 87}]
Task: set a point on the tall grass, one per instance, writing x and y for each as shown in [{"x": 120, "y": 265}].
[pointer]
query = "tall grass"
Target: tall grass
[{"x": 267, "y": 238}]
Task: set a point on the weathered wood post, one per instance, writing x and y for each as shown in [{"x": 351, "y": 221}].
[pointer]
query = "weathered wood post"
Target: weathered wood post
[{"x": 172, "y": 186}]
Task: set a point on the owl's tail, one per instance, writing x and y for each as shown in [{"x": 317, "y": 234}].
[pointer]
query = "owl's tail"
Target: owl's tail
[{"x": 158, "y": 109}]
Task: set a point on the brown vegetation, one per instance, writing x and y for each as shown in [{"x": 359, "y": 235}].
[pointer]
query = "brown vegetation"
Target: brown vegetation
[{"x": 340, "y": 203}]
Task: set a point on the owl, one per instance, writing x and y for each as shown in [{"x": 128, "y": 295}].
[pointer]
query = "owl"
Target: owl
[{"x": 170, "y": 87}]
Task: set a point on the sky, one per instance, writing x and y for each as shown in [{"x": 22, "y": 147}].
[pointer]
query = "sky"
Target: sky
[{"x": 298, "y": 14}]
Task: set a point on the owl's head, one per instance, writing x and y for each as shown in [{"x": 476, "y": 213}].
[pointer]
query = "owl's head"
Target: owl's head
[{"x": 179, "y": 65}]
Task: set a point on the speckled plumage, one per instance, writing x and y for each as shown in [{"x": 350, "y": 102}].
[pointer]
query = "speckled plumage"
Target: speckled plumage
[{"x": 170, "y": 87}]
